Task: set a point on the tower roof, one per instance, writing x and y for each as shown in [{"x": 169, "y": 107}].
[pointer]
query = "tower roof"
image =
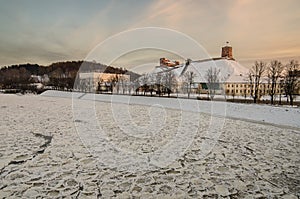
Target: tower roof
[{"x": 227, "y": 44}]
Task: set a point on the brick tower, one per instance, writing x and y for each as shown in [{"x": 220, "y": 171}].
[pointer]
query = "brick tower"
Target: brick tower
[{"x": 227, "y": 51}]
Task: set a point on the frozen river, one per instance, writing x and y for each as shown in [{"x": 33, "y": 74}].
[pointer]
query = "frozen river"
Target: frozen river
[{"x": 138, "y": 147}]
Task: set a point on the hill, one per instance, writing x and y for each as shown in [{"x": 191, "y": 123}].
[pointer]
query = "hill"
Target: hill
[{"x": 59, "y": 75}]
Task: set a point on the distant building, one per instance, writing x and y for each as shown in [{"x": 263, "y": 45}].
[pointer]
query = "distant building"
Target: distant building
[
  {"x": 233, "y": 77},
  {"x": 167, "y": 62},
  {"x": 91, "y": 81},
  {"x": 227, "y": 51},
  {"x": 39, "y": 79}
]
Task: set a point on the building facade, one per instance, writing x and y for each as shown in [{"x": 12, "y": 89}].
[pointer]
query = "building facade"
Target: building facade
[{"x": 95, "y": 81}]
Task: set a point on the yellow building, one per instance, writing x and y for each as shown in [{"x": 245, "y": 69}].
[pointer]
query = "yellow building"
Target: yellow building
[{"x": 244, "y": 89}]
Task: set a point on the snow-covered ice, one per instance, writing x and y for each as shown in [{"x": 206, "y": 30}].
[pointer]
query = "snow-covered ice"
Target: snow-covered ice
[
  {"x": 44, "y": 152},
  {"x": 276, "y": 115}
]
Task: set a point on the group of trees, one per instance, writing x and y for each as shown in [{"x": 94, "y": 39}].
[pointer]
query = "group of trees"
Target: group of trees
[
  {"x": 282, "y": 79},
  {"x": 278, "y": 77},
  {"x": 160, "y": 83},
  {"x": 167, "y": 82},
  {"x": 60, "y": 75}
]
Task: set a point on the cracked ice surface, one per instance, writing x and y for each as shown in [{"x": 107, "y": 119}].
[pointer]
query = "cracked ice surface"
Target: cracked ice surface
[{"x": 247, "y": 160}]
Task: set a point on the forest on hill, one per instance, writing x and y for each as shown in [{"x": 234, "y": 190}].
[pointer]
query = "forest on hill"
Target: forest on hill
[{"x": 59, "y": 75}]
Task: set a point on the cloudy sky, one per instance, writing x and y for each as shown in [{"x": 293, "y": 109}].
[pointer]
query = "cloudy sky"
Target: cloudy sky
[{"x": 42, "y": 32}]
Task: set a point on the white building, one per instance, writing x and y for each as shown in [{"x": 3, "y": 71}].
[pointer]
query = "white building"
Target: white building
[{"x": 92, "y": 80}]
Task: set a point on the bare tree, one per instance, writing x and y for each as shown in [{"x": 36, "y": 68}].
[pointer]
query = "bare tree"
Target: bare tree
[
  {"x": 113, "y": 80},
  {"x": 213, "y": 80},
  {"x": 189, "y": 79},
  {"x": 123, "y": 83},
  {"x": 136, "y": 86},
  {"x": 225, "y": 91},
  {"x": 144, "y": 80},
  {"x": 233, "y": 94},
  {"x": 169, "y": 81},
  {"x": 130, "y": 86},
  {"x": 158, "y": 79},
  {"x": 99, "y": 86},
  {"x": 274, "y": 73},
  {"x": 291, "y": 81},
  {"x": 152, "y": 78},
  {"x": 255, "y": 79}
]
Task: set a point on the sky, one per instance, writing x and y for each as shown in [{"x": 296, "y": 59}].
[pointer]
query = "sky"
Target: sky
[{"x": 43, "y": 32}]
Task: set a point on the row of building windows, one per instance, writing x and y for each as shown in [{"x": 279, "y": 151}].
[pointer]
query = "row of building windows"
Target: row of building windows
[
  {"x": 248, "y": 85},
  {"x": 248, "y": 91}
]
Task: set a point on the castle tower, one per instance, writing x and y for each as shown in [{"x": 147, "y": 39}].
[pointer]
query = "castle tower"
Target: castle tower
[{"x": 227, "y": 51}]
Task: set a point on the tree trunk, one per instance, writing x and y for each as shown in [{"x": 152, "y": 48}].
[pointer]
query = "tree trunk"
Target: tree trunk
[
  {"x": 291, "y": 100},
  {"x": 272, "y": 99},
  {"x": 280, "y": 99}
]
